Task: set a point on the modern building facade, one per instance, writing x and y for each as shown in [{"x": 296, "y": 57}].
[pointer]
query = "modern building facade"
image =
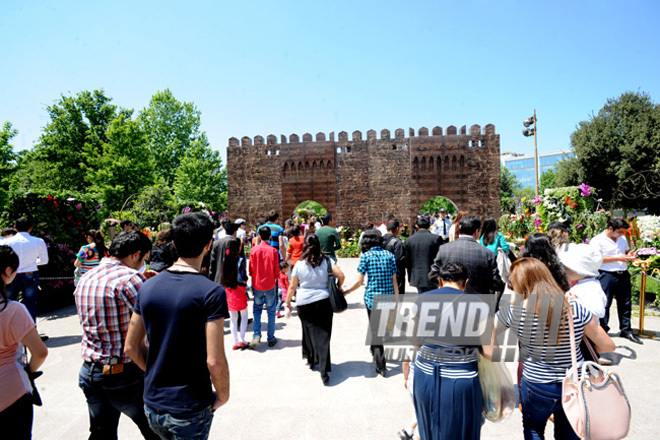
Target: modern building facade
[{"x": 523, "y": 166}]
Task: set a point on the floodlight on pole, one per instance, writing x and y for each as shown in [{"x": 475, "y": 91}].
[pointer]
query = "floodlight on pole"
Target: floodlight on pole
[{"x": 532, "y": 121}]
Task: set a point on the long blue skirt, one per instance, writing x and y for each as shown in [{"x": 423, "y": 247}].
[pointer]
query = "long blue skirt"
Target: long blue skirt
[{"x": 447, "y": 409}]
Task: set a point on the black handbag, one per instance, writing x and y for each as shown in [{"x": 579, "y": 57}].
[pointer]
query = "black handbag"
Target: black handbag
[{"x": 337, "y": 299}]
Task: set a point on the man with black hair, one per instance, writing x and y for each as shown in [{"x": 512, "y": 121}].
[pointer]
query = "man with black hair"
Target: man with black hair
[
  {"x": 484, "y": 276},
  {"x": 32, "y": 252},
  {"x": 421, "y": 248},
  {"x": 614, "y": 277},
  {"x": 276, "y": 239},
  {"x": 105, "y": 298},
  {"x": 126, "y": 225},
  {"x": 182, "y": 314},
  {"x": 328, "y": 237},
  {"x": 265, "y": 271},
  {"x": 392, "y": 243}
]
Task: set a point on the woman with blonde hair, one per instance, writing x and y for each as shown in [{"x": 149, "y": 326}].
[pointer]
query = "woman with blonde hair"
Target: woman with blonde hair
[{"x": 545, "y": 347}]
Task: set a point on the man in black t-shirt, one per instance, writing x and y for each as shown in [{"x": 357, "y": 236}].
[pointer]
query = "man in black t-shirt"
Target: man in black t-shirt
[{"x": 182, "y": 314}]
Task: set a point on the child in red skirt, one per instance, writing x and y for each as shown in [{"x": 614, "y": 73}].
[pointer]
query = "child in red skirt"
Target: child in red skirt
[{"x": 234, "y": 277}]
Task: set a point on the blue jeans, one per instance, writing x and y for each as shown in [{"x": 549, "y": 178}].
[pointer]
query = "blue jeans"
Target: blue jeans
[
  {"x": 29, "y": 285},
  {"x": 110, "y": 395},
  {"x": 269, "y": 297},
  {"x": 168, "y": 427},
  {"x": 539, "y": 401}
]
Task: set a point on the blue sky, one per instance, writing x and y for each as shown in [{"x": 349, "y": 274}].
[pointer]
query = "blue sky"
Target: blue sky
[{"x": 282, "y": 67}]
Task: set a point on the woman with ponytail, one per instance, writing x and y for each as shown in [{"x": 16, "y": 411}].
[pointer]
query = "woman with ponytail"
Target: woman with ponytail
[{"x": 17, "y": 330}]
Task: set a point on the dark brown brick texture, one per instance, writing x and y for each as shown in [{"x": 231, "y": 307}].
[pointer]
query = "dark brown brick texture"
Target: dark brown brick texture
[{"x": 362, "y": 179}]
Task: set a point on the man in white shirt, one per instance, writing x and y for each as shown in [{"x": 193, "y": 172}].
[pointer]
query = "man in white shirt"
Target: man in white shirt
[
  {"x": 241, "y": 234},
  {"x": 31, "y": 253},
  {"x": 614, "y": 276},
  {"x": 442, "y": 225}
]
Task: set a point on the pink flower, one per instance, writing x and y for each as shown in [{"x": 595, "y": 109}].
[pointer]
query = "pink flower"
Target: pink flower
[
  {"x": 187, "y": 209},
  {"x": 580, "y": 226},
  {"x": 585, "y": 190},
  {"x": 538, "y": 222},
  {"x": 537, "y": 200},
  {"x": 586, "y": 240}
]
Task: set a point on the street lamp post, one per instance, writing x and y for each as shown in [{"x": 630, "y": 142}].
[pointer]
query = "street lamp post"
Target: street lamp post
[{"x": 528, "y": 132}]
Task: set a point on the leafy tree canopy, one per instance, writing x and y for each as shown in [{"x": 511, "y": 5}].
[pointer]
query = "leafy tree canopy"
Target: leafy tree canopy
[
  {"x": 548, "y": 180},
  {"x": 72, "y": 139},
  {"x": 7, "y": 156},
  {"x": 201, "y": 176},
  {"x": 621, "y": 140},
  {"x": 435, "y": 204},
  {"x": 171, "y": 128},
  {"x": 508, "y": 187}
]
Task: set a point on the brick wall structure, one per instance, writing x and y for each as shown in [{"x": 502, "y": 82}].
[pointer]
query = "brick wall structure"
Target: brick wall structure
[{"x": 363, "y": 178}]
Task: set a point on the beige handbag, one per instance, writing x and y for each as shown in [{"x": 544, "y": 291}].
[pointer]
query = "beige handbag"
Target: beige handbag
[{"x": 595, "y": 405}]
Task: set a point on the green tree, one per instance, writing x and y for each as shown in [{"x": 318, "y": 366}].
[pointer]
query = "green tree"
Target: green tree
[
  {"x": 508, "y": 187},
  {"x": 125, "y": 167},
  {"x": 621, "y": 140},
  {"x": 72, "y": 139},
  {"x": 435, "y": 204},
  {"x": 153, "y": 206},
  {"x": 548, "y": 180},
  {"x": 171, "y": 127},
  {"x": 200, "y": 177},
  {"x": 7, "y": 155},
  {"x": 74, "y": 135}
]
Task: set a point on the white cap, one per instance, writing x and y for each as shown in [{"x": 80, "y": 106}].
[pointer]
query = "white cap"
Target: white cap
[{"x": 240, "y": 221}]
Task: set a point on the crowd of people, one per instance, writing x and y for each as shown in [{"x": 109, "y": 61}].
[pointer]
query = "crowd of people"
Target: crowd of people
[{"x": 153, "y": 334}]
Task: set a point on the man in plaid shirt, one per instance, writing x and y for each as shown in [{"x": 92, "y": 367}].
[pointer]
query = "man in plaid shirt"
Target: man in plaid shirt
[{"x": 105, "y": 297}]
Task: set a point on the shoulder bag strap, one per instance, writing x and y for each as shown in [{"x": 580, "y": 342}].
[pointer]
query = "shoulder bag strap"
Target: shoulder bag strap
[{"x": 574, "y": 369}]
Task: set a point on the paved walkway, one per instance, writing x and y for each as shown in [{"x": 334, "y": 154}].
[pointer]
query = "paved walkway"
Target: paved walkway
[{"x": 275, "y": 396}]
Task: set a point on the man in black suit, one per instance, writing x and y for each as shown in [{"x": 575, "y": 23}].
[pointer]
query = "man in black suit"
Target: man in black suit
[
  {"x": 481, "y": 262},
  {"x": 421, "y": 248}
]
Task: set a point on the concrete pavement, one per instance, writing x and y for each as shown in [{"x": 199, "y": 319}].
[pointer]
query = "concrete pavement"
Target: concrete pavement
[{"x": 275, "y": 396}]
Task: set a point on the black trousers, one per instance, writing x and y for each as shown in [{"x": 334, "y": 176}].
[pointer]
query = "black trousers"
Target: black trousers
[
  {"x": 617, "y": 286},
  {"x": 377, "y": 351},
  {"x": 16, "y": 420},
  {"x": 316, "y": 320}
]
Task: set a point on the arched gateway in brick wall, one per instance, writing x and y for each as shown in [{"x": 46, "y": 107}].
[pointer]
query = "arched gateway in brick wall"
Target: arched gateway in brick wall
[{"x": 361, "y": 179}]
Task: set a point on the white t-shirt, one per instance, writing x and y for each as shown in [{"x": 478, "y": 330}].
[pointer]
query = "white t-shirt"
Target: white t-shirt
[
  {"x": 590, "y": 293},
  {"x": 31, "y": 251},
  {"x": 240, "y": 234},
  {"x": 609, "y": 248},
  {"x": 312, "y": 282}
]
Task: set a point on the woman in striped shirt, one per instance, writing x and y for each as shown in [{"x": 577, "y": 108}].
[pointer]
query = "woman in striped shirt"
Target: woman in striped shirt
[
  {"x": 446, "y": 390},
  {"x": 539, "y": 316},
  {"x": 90, "y": 255}
]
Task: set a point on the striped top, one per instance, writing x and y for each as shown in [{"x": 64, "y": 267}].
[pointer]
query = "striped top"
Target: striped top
[
  {"x": 89, "y": 257},
  {"x": 451, "y": 362},
  {"x": 543, "y": 362}
]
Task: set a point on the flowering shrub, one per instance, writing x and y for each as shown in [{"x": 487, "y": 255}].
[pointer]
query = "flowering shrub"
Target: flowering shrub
[{"x": 649, "y": 228}]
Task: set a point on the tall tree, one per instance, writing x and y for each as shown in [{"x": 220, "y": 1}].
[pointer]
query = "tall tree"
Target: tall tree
[
  {"x": 621, "y": 140},
  {"x": 508, "y": 187},
  {"x": 7, "y": 156},
  {"x": 69, "y": 143},
  {"x": 547, "y": 180},
  {"x": 201, "y": 176},
  {"x": 171, "y": 127},
  {"x": 125, "y": 167}
]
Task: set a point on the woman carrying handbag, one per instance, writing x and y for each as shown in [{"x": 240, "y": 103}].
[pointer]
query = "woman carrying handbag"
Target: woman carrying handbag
[{"x": 546, "y": 355}]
